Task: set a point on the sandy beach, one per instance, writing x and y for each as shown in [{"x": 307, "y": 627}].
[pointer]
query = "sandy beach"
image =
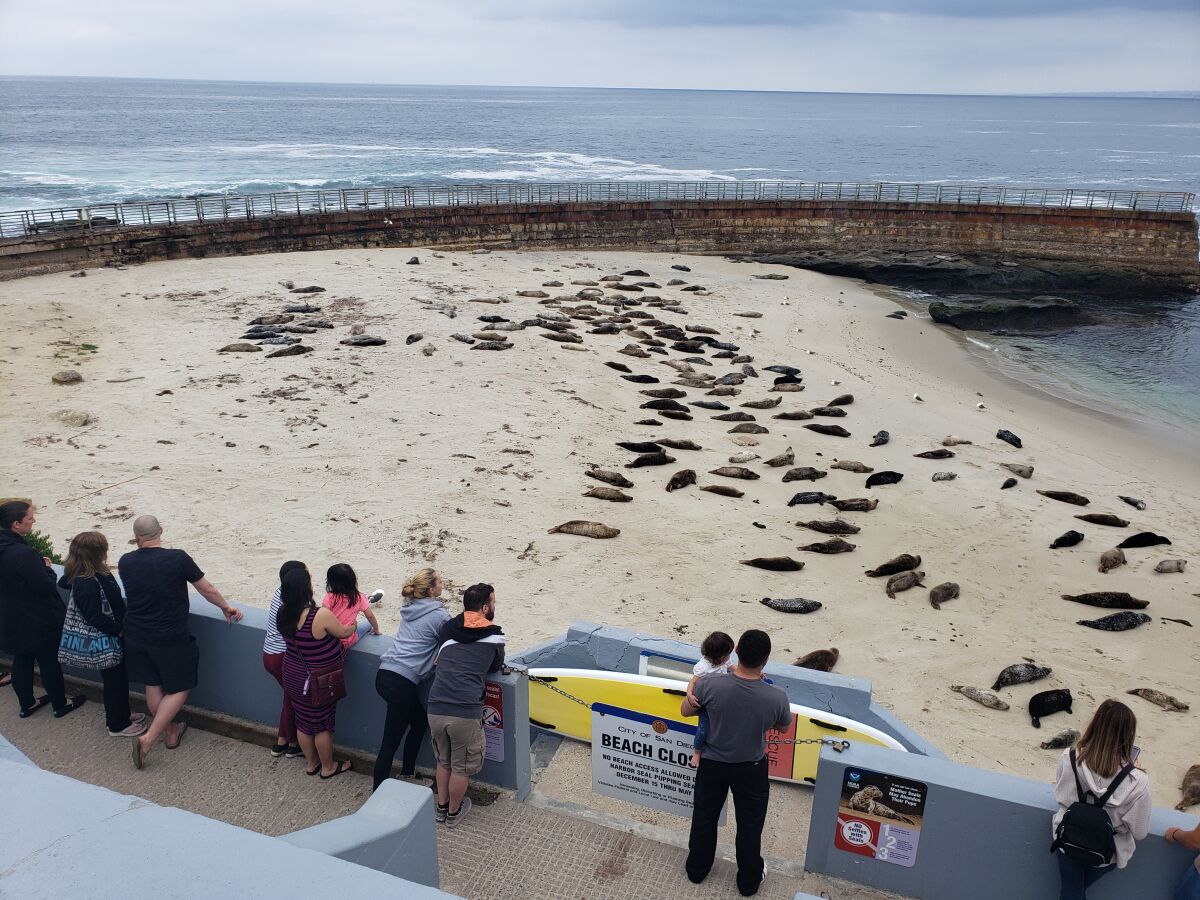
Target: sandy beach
[{"x": 395, "y": 457}]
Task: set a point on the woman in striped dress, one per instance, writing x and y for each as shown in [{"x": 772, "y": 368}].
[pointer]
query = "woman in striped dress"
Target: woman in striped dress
[{"x": 313, "y": 637}]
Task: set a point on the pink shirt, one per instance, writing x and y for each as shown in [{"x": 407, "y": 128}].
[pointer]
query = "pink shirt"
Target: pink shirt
[{"x": 346, "y": 614}]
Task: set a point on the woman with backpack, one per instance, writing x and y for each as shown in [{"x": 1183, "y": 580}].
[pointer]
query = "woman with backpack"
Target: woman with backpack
[{"x": 1103, "y": 801}]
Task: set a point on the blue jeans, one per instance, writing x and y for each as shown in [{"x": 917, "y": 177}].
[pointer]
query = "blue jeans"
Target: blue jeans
[
  {"x": 701, "y": 730},
  {"x": 1076, "y": 879},
  {"x": 363, "y": 628},
  {"x": 1189, "y": 885}
]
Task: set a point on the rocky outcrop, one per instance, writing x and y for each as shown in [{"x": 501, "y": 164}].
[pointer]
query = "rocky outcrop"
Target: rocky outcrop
[{"x": 1036, "y": 314}]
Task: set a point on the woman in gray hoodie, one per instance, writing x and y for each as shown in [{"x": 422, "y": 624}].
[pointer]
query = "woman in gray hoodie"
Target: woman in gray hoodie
[{"x": 403, "y": 669}]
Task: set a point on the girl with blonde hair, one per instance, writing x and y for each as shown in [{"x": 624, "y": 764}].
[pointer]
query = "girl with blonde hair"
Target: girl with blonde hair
[{"x": 405, "y": 670}]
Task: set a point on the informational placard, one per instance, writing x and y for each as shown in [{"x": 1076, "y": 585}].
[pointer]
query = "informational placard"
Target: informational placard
[
  {"x": 643, "y": 759},
  {"x": 880, "y": 816},
  {"x": 493, "y": 722}
]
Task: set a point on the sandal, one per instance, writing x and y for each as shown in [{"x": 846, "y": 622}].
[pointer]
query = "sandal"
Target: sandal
[
  {"x": 27, "y": 711},
  {"x": 342, "y": 766},
  {"x": 179, "y": 740},
  {"x": 311, "y": 772},
  {"x": 73, "y": 704},
  {"x": 139, "y": 757}
]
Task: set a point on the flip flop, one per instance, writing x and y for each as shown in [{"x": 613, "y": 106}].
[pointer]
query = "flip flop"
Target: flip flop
[
  {"x": 311, "y": 772},
  {"x": 27, "y": 711},
  {"x": 139, "y": 759},
  {"x": 342, "y": 766},
  {"x": 179, "y": 740}
]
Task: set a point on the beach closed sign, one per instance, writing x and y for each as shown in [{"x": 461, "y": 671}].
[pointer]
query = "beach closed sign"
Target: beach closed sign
[
  {"x": 880, "y": 815},
  {"x": 643, "y": 759}
]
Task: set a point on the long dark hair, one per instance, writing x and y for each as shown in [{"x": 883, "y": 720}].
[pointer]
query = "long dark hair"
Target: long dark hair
[
  {"x": 341, "y": 581},
  {"x": 288, "y": 566},
  {"x": 1107, "y": 742},
  {"x": 296, "y": 593}
]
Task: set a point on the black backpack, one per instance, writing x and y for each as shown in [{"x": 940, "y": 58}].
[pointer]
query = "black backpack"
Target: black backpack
[{"x": 1085, "y": 833}]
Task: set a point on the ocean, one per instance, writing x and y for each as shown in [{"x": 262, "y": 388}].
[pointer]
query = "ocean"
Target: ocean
[{"x": 71, "y": 141}]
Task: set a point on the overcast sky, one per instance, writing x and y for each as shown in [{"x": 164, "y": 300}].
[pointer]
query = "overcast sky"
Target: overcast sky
[{"x": 934, "y": 46}]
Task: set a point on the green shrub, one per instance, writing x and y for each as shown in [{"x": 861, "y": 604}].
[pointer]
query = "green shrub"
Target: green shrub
[{"x": 43, "y": 545}]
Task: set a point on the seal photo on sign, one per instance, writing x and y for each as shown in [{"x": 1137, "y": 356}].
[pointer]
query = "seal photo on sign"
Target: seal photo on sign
[{"x": 867, "y": 801}]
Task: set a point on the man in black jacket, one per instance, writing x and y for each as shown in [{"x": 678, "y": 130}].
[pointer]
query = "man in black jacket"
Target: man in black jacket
[{"x": 31, "y": 614}]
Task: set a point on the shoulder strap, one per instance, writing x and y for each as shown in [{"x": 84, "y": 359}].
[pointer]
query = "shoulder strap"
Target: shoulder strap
[
  {"x": 1078, "y": 784},
  {"x": 1114, "y": 783}
]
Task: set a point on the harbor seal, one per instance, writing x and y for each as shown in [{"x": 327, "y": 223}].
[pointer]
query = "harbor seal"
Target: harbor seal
[
  {"x": 780, "y": 369},
  {"x": 640, "y": 446},
  {"x": 712, "y": 405},
  {"x": 902, "y": 563},
  {"x": 836, "y": 526},
  {"x": 1190, "y": 788},
  {"x": 1143, "y": 539},
  {"x": 735, "y": 472},
  {"x": 1067, "y": 539},
  {"x": 1133, "y": 501},
  {"x": 773, "y": 563},
  {"x": 1111, "y": 559},
  {"x": 681, "y": 479},
  {"x": 641, "y": 379},
  {"x": 1061, "y": 741},
  {"x": 660, "y": 405},
  {"x": 902, "y": 581},
  {"x": 854, "y": 504},
  {"x": 947, "y": 590},
  {"x": 675, "y": 414},
  {"x": 761, "y": 404},
  {"x": 984, "y": 698},
  {"x": 851, "y": 465},
  {"x": 608, "y": 493},
  {"x": 1008, "y": 483},
  {"x": 939, "y": 453},
  {"x": 881, "y": 438},
  {"x": 885, "y": 477},
  {"x": 1169, "y": 566},
  {"x": 1009, "y": 438},
  {"x": 791, "y": 605},
  {"x": 1047, "y": 703},
  {"x": 793, "y": 416},
  {"x": 944, "y": 476},
  {"x": 803, "y": 473},
  {"x": 1108, "y": 600},
  {"x": 831, "y": 430},
  {"x": 1104, "y": 519},
  {"x": 818, "y": 497},
  {"x": 1066, "y": 497},
  {"x": 786, "y": 458},
  {"x": 667, "y": 393},
  {"x": 734, "y": 417},
  {"x": 748, "y": 428},
  {"x": 829, "y": 412},
  {"x": 620, "y": 367},
  {"x": 819, "y": 660},
  {"x": 676, "y": 444},
  {"x": 651, "y": 459},
  {"x": 584, "y": 528},
  {"x": 743, "y": 457},
  {"x": 1020, "y": 673},
  {"x": 1158, "y": 698},
  {"x": 1122, "y": 621},
  {"x": 723, "y": 490},
  {"x": 616, "y": 479},
  {"x": 647, "y": 422},
  {"x": 867, "y": 801},
  {"x": 953, "y": 440},
  {"x": 833, "y": 545},
  {"x": 1018, "y": 469},
  {"x": 841, "y": 400}
]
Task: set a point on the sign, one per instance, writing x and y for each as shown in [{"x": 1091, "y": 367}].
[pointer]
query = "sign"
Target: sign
[
  {"x": 880, "y": 816},
  {"x": 493, "y": 722},
  {"x": 643, "y": 759},
  {"x": 780, "y": 757}
]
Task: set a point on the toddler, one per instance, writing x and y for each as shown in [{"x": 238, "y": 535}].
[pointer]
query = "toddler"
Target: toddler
[
  {"x": 345, "y": 602},
  {"x": 716, "y": 658}
]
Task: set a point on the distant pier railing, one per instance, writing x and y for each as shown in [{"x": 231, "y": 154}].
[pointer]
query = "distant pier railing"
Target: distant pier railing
[{"x": 222, "y": 208}]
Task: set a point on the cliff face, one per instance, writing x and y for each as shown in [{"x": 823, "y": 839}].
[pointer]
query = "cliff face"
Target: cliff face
[{"x": 946, "y": 245}]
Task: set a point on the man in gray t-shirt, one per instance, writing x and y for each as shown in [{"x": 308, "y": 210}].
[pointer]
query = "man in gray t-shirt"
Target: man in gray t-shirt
[{"x": 741, "y": 709}]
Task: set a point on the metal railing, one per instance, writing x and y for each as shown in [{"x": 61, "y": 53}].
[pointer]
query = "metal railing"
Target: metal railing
[{"x": 220, "y": 208}]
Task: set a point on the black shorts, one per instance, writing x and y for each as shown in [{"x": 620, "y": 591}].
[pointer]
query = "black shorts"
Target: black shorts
[{"x": 174, "y": 667}]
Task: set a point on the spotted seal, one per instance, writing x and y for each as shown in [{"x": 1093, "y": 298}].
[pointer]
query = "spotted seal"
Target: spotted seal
[
  {"x": 833, "y": 545},
  {"x": 810, "y": 497},
  {"x": 1009, "y": 438},
  {"x": 616, "y": 479},
  {"x": 1047, "y": 703},
  {"x": 1122, "y": 621},
  {"x": 735, "y": 472},
  {"x": 881, "y": 438},
  {"x": 902, "y": 581},
  {"x": 867, "y": 801},
  {"x": 851, "y": 465},
  {"x": 791, "y": 605},
  {"x": 1158, "y": 698},
  {"x": 786, "y": 458},
  {"x": 584, "y": 528},
  {"x": 803, "y": 473},
  {"x": 1108, "y": 600},
  {"x": 1020, "y": 673},
  {"x": 1061, "y": 741},
  {"x": 984, "y": 698},
  {"x": 854, "y": 504},
  {"x": 835, "y": 526},
  {"x": 761, "y": 404},
  {"x": 939, "y": 453},
  {"x": 947, "y": 590}
]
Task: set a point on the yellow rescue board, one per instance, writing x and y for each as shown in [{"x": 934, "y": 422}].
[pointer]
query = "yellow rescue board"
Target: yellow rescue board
[{"x": 661, "y": 697}]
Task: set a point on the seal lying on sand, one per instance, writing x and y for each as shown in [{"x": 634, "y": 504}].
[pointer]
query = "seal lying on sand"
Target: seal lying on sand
[
  {"x": 834, "y": 526},
  {"x": 1133, "y": 501},
  {"x": 901, "y": 563},
  {"x": 1190, "y": 788},
  {"x": 1067, "y": 497},
  {"x": 640, "y": 446},
  {"x": 1046, "y": 703},
  {"x": 1143, "y": 539},
  {"x": 867, "y": 801},
  {"x": 735, "y": 472},
  {"x": 886, "y": 477},
  {"x": 1020, "y": 673},
  {"x": 833, "y": 545},
  {"x": 1061, "y": 741},
  {"x": 1067, "y": 539},
  {"x": 1104, "y": 519},
  {"x": 854, "y": 504},
  {"x": 986, "y": 698},
  {"x": 818, "y": 660},
  {"x": 831, "y": 430},
  {"x": 734, "y": 417},
  {"x": 1122, "y": 621},
  {"x": 1158, "y": 698},
  {"x": 583, "y": 528},
  {"x": 651, "y": 459},
  {"x": 681, "y": 479},
  {"x": 675, "y": 444},
  {"x": 773, "y": 563},
  {"x": 1169, "y": 566},
  {"x": 946, "y": 591},
  {"x": 811, "y": 497},
  {"x": 940, "y": 453},
  {"x": 881, "y": 438},
  {"x": 1018, "y": 469},
  {"x": 1111, "y": 559},
  {"x": 786, "y": 458},
  {"x": 608, "y": 493},
  {"x": 902, "y": 581},
  {"x": 723, "y": 490},
  {"x": 803, "y": 473},
  {"x": 851, "y": 465},
  {"x": 1009, "y": 438},
  {"x": 791, "y": 605},
  {"x": 616, "y": 479},
  {"x": 1108, "y": 600},
  {"x": 791, "y": 416}
]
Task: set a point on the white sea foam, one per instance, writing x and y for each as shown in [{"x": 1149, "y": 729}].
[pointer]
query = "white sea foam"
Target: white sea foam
[{"x": 979, "y": 343}]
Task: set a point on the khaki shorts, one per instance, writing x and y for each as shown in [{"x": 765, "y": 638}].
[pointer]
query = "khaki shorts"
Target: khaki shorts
[{"x": 457, "y": 744}]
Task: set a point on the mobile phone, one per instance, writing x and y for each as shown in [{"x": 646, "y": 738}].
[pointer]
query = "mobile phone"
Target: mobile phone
[{"x": 1137, "y": 751}]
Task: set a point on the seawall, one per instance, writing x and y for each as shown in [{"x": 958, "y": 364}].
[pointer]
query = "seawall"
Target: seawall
[{"x": 1039, "y": 246}]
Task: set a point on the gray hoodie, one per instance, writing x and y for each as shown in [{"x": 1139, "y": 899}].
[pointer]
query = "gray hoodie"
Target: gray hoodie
[{"x": 411, "y": 653}]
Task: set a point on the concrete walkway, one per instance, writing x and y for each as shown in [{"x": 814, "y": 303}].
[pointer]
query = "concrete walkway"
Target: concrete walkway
[{"x": 502, "y": 850}]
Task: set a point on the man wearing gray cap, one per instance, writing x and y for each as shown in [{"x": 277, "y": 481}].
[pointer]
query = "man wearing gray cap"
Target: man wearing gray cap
[{"x": 160, "y": 651}]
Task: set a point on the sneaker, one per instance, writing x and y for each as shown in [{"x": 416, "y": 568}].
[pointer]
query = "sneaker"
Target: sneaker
[
  {"x": 453, "y": 819},
  {"x": 293, "y": 751},
  {"x": 440, "y": 811},
  {"x": 132, "y": 730},
  {"x": 376, "y": 598},
  {"x": 139, "y": 718},
  {"x": 278, "y": 750}
]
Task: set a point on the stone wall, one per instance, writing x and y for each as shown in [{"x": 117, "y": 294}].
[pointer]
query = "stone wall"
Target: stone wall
[{"x": 1139, "y": 244}]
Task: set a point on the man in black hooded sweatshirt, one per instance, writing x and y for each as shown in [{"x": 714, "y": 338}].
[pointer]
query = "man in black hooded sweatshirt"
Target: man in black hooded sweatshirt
[{"x": 471, "y": 649}]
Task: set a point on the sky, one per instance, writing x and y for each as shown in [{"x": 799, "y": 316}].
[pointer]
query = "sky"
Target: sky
[{"x": 894, "y": 46}]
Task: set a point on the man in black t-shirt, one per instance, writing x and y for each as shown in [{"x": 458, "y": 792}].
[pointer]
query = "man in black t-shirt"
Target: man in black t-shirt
[{"x": 160, "y": 651}]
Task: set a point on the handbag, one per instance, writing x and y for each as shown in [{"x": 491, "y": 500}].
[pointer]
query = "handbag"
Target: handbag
[
  {"x": 326, "y": 685},
  {"x": 84, "y": 646}
]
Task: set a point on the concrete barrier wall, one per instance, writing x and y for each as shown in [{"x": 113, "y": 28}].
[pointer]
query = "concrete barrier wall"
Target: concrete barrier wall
[
  {"x": 588, "y": 645},
  {"x": 984, "y": 836}
]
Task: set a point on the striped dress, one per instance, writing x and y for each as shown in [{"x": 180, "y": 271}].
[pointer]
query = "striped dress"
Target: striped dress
[{"x": 305, "y": 652}]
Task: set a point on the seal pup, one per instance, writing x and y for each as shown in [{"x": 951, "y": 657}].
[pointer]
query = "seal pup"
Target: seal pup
[
  {"x": 944, "y": 476},
  {"x": 681, "y": 479},
  {"x": 734, "y": 417},
  {"x": 1111, "y": 559},
  {"x": 1046, "y": 703},
  {"x": 803, "y": 473},
  {"x": 791, "y": 605},
  {"x": 1066, "y": 497},
  {"x": 584, "y": 528},
  {"x": 735, "y": 472},
  {"x": 1067, "y": 539},
  {"x": 1158, "y": 698},
  {"x": 902, "y": 563},
  {"x": 651, "y": 459},
  {"x": 985, "y": 698},
  {"x": 608, "y": 493},
  {"x": 1190, "y": 788},
  {"x": 1108, "y": 600},
  {"x": 793, "y": 416},
  {"x": 885, "y": 477},
  {"x": 851, "y": 465},
  {"x": 1020, "y": 673},
  {"x": 947, "y": 590},
  {"x": 1009, "y": 438},
  {"x": 831, "y": 430},
  {"x": 1133, "y": 501},
  {"x": 786, "y": 458},
  {"x": 836, "y": 526},
  {"x": 902, "y": 581},
  {"x": 881, "y": 438},
  {"x": 761, "y": 404},
  {"x": 639, "y": 446},
  {"x": 953, "y": 440},
  {"x": 773, "y": 563},
  {"x": 616, "y": 479},
  {"x": 939, "y": 453},
  {"x": 833, "y": 545},
  {"x": 818, "y": 660},
  {"x": 1122, "y": 621},
  {"x": 723, "y": 490},
  {"x": 854, "y": 504},
  {"x": 818, "y": 497},
  {"x": 1008, "y": 483},
  {"x": 1143, "y": 539},
  {"x": 867, "y": 801},
  {"x": 1018, "y": 469},
  {"x": 676, "y": 444},
  {"x": 1104, "y": 519},
  {"x": 1169, "y": 566},
  {"x": 1061, "y": 741}
]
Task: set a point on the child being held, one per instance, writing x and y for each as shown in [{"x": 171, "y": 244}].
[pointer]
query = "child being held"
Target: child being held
[
  {"x": 345, "y": 602},
  {"x": 716, "y": 658}
]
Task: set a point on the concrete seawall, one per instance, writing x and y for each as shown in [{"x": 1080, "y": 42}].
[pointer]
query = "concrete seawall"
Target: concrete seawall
[{"x": 1079, "y": 245}]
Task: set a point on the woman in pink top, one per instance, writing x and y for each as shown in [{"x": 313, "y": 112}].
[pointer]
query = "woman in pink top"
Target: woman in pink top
[{"x": 345, "y": 602}]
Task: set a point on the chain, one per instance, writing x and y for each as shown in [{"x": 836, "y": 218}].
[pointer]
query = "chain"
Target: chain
[
  {"x": 839, "y": 746},
  {"x": 547, "y": 684}
]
